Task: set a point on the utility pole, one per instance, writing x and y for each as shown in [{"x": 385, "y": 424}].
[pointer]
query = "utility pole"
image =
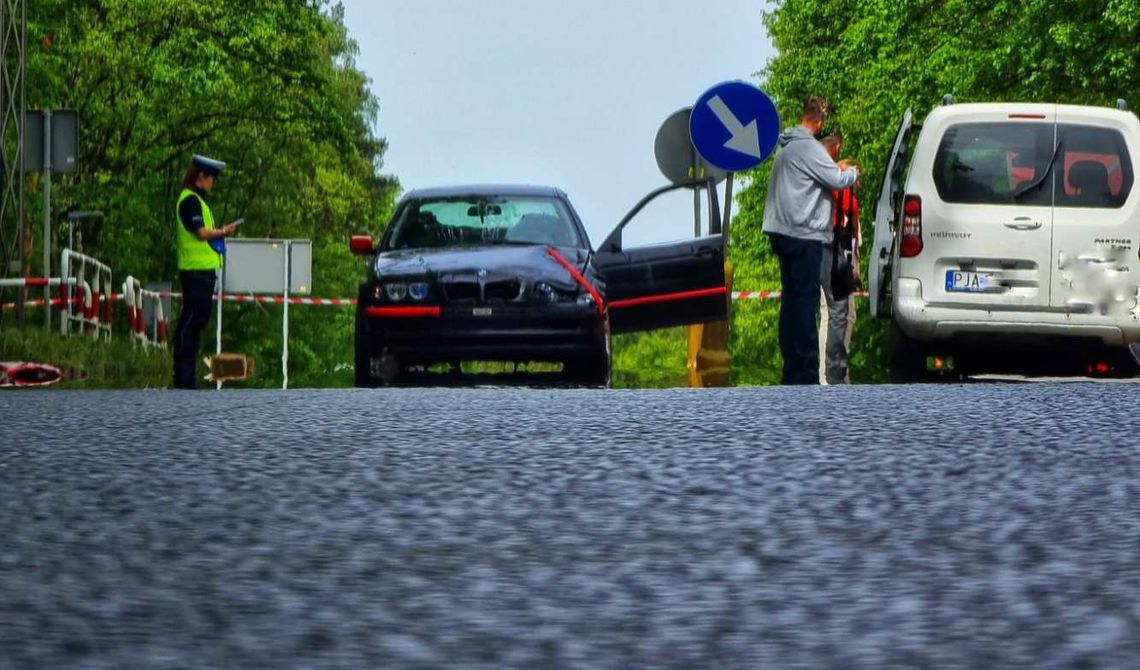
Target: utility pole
[{"x": 13, "y": 102}]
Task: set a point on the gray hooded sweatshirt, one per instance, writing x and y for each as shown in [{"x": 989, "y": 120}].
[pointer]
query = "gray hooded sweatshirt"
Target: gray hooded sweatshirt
[{"x": 799, "y": 190}]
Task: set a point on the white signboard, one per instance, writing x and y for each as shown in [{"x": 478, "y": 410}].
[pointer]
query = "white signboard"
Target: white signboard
[
  {"x": 259, "y": 266},
  {"x": 273, "y": 267}
]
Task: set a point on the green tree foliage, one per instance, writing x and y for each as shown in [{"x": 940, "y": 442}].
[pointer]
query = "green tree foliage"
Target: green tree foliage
[
  {"x": 271, "y": 88},
  {"x": 874, "y": 59}
]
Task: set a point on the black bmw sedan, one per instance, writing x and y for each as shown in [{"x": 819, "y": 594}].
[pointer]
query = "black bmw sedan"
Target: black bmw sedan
[{"x": 507, "y": 273}]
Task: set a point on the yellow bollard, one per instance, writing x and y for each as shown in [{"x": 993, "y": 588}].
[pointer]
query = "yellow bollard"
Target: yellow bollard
[
  {"x": 710, "y": 364},
  {"x": 695, "y": 333}
]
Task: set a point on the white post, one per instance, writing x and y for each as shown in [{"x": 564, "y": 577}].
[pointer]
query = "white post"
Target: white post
[
  {"x": 107, "y": 301},
  {"x": 65, "y": 293},
  {"x": 129, "y": 301},
  {"x": 285, "y": 318},
  {"x": 220, "y": 278},
  {"x": 86, "y": 294}
]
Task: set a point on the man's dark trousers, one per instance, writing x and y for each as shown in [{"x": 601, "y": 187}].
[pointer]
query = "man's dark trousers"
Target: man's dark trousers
[
  {"x": 799, "y": 306},
  {"x": 197, "y": 297}
]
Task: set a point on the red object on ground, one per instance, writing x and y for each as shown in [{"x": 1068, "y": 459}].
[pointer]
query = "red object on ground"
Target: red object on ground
[{"x": 28, "y": 374}]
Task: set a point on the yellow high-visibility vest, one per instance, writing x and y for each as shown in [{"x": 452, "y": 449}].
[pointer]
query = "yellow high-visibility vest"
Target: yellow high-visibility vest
[{"x": 193, "y": 253}]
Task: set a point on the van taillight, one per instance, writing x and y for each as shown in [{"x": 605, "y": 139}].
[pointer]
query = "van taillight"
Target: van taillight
[{"x": 911, "y": 243}]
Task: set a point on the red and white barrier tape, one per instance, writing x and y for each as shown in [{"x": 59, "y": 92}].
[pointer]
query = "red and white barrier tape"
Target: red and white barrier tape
[
  {"x": 755, "y": 295},
  {"x": 775, "y": 295},
  {"x": 279, "y": 300},
  {"x": 344, "y": 302},
  {"x": 351, "y": 301},
  {"x": 272, "y": 299}
]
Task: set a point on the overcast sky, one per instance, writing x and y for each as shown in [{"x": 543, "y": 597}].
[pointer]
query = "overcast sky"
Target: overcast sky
[{"x": 568, "y": 94}]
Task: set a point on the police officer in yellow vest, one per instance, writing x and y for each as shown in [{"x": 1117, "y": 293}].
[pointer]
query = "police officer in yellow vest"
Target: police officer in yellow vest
[{"x": 198, "y": 263}]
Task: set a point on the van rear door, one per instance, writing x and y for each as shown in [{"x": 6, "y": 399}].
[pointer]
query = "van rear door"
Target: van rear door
[
  {"x": 988, "y": 233},
  {"x": 1096, "y": 222},
  {"x": 887, "y": 207}
]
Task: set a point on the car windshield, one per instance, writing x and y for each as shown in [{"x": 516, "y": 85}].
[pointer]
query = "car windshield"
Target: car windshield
[{"x": 483, "y": 220}]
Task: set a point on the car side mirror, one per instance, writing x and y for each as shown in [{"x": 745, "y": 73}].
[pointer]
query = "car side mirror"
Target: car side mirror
[{"x": 361, "y": 244}]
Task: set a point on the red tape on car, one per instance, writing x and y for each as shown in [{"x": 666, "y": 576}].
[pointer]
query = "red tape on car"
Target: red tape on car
[
  {"x": 401, "y": 312},
  {"x": 668, "y": 297},
  {"x": 578, "y": 278}
]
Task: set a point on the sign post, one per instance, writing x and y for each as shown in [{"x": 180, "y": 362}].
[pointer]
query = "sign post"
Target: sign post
[
  {"x": 734, "y": 126},
  {"x": 285, "y": 316},
  {"x": 679, "y": 161},
  {"x": 276, "y": 267},
  {"x": 51, "y": 142},
  {"x": 47, "y": 216}
]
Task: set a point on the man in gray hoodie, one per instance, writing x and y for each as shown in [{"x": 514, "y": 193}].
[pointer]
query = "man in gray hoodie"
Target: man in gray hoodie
[{"x": 797, "y": 219}]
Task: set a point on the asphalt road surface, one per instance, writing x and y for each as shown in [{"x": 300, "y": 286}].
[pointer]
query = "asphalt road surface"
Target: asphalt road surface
[{"x": 984, "y": 525}]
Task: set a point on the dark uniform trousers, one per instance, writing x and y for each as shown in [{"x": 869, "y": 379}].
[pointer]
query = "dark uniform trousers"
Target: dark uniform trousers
[
  {"x": 799, "y": 306},
  {"x": 197, "y": 298}
]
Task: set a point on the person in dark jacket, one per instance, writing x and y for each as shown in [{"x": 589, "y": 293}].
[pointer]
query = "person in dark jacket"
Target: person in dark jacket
[
  {"x": 797, "y": 219},
  {"x": 198, "y": 263},
  {"x": 839, "y": 277}
]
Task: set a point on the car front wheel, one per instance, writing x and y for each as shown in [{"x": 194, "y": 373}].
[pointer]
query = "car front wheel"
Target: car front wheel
[
  {"x": 363, "y": 346},
  {"x": 592, "y": 370}
]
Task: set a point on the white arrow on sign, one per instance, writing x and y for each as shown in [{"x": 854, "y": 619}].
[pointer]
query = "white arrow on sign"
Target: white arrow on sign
[{"x": 745, "y": 138}]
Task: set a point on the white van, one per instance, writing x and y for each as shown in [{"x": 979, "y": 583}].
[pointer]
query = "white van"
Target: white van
[{"x": 1008, "y": 241}]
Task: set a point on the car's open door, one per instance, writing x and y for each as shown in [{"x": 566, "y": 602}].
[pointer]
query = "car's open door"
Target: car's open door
[
  {"x": 887, "y": 207},
  {"x": 663, "y": 285}
]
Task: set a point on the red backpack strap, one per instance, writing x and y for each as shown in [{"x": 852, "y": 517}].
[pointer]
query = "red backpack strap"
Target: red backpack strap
[{"x": 841, "y": 210}]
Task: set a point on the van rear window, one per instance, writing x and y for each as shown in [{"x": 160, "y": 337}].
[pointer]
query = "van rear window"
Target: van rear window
[
  {"x": 988, "y": 163},
  {"x": 1096, "y": 167},
  {"x": 1004, "y": 163}
]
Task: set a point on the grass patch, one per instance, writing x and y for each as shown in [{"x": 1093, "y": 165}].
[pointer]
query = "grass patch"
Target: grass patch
[
  {"x": 87, "y": 363},
  {"x": 653, "y": 359}
]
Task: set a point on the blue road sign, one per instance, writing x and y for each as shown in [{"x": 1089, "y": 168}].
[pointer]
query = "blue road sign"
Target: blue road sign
[{"x": 734, "y": 126}]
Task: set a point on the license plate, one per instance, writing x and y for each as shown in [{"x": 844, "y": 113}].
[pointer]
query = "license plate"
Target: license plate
[
  {"x": 481, "y": 311},
  {"x": 970, "y": 282}
]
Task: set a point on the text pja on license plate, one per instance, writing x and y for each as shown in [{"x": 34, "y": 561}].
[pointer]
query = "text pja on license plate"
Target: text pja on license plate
[{"x": 961, "y": 280}]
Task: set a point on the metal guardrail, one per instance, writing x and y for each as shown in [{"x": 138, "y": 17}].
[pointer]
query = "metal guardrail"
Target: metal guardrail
[
  {"x": 95, "y": 315},
  {"x": 136, "y": 298}
]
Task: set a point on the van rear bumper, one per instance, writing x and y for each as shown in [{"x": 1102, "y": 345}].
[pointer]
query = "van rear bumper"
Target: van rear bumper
[{"x": 926, "y": 322}]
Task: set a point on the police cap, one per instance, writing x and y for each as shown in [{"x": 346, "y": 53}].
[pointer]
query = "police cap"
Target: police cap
[{"x": 208, "y": 165}]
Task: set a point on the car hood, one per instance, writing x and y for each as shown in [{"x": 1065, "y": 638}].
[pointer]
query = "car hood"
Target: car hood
[{"x": 525, "y": 261}]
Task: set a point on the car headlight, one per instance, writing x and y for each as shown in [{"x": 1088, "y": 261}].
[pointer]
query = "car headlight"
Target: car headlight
[
  {"x": 396, "y": 291},
  {"x": 418, "y": 290},
  {"x": 544, "y": 291},
  {"x": 585, "y": 299}
]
